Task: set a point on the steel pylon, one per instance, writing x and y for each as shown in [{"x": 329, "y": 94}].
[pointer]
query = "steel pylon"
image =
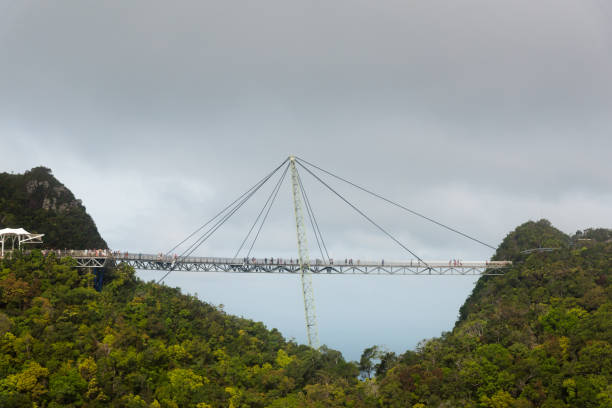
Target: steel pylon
[{"x": 302, "y": 243}]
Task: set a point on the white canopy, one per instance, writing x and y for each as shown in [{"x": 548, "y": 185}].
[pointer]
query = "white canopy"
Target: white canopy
[
  {"x": 20, "y": 235},
  {"x": 14, "y": 231}
]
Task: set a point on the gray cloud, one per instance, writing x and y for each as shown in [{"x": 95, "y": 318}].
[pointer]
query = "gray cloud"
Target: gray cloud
[
  {"x": 481, "y": 114},
  {"x": 503, "y": 102}
]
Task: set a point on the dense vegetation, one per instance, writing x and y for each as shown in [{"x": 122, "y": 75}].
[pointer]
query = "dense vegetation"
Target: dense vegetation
[
  {"x": 540, "y": 336},
  {"x": 137, "y": 344},
  {"x": 38, "y": 202}
]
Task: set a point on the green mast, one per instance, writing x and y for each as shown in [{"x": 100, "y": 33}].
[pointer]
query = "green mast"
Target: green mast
[{"x": 302, "y": 243}]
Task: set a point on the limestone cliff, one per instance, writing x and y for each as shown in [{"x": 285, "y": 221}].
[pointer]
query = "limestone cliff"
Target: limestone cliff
[{"x": 38, "y": 202}]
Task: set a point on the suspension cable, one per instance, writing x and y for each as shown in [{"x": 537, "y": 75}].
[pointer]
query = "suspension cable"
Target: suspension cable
[
  {"x": 267, "y": 212},
  {"x": 208, "y": 233},
  {"x": 363, "y": 215},
  {"x": 300, "y": 160},
  {"x": 218, "y": 224},
  {"x": 313, "y": 219},
  {"x": 263, "y": 180},
  {"x": 243, "y": 199},
  {"x": 272, "y": 194},
  {"x": 310, "y": 215}
]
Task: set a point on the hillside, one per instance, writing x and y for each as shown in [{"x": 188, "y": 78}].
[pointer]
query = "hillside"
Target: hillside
[
  {"x": 137, "y": 344},
  {"x": 539, "y": 336},
  {"x": 38, "y": 202}
]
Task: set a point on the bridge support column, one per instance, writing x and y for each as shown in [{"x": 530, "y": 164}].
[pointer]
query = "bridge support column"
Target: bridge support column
[
  {"x": 302, "y": 243},
  {"x": 98, "y": 278}
]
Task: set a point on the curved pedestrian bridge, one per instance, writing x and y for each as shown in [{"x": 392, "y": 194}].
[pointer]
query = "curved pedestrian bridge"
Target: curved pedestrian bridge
[{"x": 159, "y": 262}]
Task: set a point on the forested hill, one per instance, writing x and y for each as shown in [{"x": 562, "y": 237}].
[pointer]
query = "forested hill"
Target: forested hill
[
  {"x": 540, "y": 336},
  {"x": 136, "y": 344},
  {"x": 38, "y": 202}
]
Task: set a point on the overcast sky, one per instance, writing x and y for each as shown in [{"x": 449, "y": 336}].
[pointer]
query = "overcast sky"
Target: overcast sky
[{"x": 481, "y": 114}]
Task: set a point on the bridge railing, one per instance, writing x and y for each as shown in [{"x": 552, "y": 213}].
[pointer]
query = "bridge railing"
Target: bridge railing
[
  {"x": 347, "y": 262},
  {"x": 292, "y": 261}
]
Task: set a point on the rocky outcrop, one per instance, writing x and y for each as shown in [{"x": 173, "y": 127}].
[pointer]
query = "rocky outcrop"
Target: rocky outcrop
[{"x": 38, "y": 202}]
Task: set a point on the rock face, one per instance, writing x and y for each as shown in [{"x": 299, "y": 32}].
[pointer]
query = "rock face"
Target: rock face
[{"x": 38, "y": 202}]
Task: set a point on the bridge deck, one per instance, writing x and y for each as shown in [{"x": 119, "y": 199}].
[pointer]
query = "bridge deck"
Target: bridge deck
[{"x": 101, "y": 258}]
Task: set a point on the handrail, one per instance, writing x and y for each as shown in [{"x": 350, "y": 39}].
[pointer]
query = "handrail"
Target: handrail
[{"x": 347, "y": 262}]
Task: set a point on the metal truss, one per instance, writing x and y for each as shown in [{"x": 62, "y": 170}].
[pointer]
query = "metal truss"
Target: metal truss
[
  {"x": 276, "y": 266},
  {"x": 304, "y": 260},
  {"x": 314, "y": 269},
  {"x": 91, "y": 259},
  {"x": 93, "y": 262}
]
